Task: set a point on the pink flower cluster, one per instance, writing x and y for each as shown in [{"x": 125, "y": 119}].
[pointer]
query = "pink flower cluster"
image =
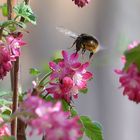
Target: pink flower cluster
[
  {"x": 4, "y": 130},
  {"x": 130, "y": 79},
  {"x": 9, "y": 50},
  {"x": 50, "y": 120},
  {"x": 5, "y": 61},
  {"x": 69, "y": 75},
  {"x": 81, "y": 3}
]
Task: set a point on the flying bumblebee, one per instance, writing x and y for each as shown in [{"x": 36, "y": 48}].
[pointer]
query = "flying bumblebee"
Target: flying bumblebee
[{"x": 82, "y": 42}]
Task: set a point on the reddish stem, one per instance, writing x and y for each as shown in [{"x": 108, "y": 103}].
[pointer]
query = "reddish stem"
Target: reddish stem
[
  {"x": 15, "y": 97},
  {"x": 14, "y": 74}
]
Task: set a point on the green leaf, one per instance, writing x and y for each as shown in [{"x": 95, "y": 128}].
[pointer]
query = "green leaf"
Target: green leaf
[
  {"x": 57, "y": 60},
  {"x": 4, "y": 102},
  {"x": 73, "y": 112},
  {"x": 84, "y": 90},
  {"x": 34, "y": 71},
  {"x": 65, "y": 105},
  {"x": 5, "y": 117},
  {"x": 132, "y": 56},
  {"x": 6, "y": 110},
  {"x": 7, "y": 23},
  {"x": 8, "y": 138},
  {"x": 4, "y": 10},
  {"x": 22, "y": 25},
  {"x": 49, "y": 98},
  {"x": 3, "y": 93},
  {"x": 93, "y": 130},
  {"x": 26, "y": 12}
]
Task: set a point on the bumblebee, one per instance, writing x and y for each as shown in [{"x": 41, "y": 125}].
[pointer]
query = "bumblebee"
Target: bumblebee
[{"x": 82, "y": 42}]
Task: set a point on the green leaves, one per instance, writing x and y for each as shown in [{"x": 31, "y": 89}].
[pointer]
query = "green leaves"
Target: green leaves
[
  {"x": 4, "y": 10},
  {"x": 34, "y": 71},
  {"x": 84, "y": 91},
  {"x": 93, "y": 130},
  {"x": 132, "y": 56},
  {"x": 4, "y": 102},
  {"x": 8, "y": 138},
  {"x": 26, "y": 12},
  {"x": 65, "y": 105}
]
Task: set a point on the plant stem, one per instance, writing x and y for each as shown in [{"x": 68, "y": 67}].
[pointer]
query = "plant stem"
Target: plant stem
[
  {"x": 15, "y": 97},
  {"x": 44, "y": 78},
  {"x": 21, "y": 125},
  {"x": 14, "y": 75}
]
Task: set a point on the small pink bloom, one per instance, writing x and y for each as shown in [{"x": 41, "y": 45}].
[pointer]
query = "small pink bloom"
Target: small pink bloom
[
  {"x": 64, "y": 89},
  {"x": 4, "y": 130},
  {"x": 70, "y": 76},
  {"x": 81, "y": 76},
  {"x": 133, "y": 45},
  {"x": 51, "y": 120},
  {"x": 130, "y": 79},
  {"x": 15, "y": 44},
  {"x": 5, "y": 61},
  {"x": 81, "y": 3}
]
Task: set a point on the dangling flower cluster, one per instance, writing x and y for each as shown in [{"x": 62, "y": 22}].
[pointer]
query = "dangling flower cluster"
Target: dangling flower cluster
[
  {"x": 70, "y": 76},
  {"x": 50, "y": 120},
  {"x": 9, "y": 50},
  {"x": 81, "y": 3},
  {"x": 5, "y": 61},
  {"x": 4, "y": 130},
  {"x": 130, "y": 79}
]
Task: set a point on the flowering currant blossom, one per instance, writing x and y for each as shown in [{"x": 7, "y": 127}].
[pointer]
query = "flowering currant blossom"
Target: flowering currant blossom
[
  {"x": 130, "y": 79},
  {"x": 9, "y": 50},
  {"x": 81, "y": 3},
  {"x": 4, "y": 130},
  {"x": 50, "y": 120},
  {"x": 70, "y": 76},
  {"x": 15, "y": 43},
  {"x": 5, "y": 61}
]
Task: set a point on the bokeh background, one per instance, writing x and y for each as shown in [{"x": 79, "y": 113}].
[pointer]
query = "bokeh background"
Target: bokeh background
[{"x": 115, "y": 24}]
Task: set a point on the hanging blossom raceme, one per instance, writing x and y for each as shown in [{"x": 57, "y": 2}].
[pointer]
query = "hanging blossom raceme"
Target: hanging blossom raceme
[
  {"x": 9, "y": 50},
  {"x": 130, "y": 79},
  {"x": 49, "y": 119},
  {"x": 4, "y": 130},
  {"x": 15, "y": 44},
  {"x": 81, "y": 3},
  {"x": 70, "y": 76},
  {"x": 5, "y": 60}
]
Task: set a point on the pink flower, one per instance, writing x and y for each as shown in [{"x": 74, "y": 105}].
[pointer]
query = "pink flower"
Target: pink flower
[
  {"x": 70, "y": 76},
  {"x": 5, "y": 61},
  {"x": 130, "y": 79},
  {"x": 15, "y": 44},
  {"x": 50, "y": 120},
  {"x": 81, "y": 76},
  {"x": 63, "y": 89},
  {"x": 81, "y": 3},
  {"x": 4, "y": 130},
  {"x": 133, "y": 45}
]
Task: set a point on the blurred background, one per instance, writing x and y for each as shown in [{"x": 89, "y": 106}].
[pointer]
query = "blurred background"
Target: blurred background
[{"x": 115, "y": 24}]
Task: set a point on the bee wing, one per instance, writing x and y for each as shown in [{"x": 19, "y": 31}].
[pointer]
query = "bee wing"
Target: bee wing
[{"x": 67, "y": 32}]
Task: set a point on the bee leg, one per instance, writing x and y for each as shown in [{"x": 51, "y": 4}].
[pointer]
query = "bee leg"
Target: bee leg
[
  {"x": 91, "y": 54},
  {"x": 73, "y": 44},
  {"x": 83, "y": 50},
  {"x": 78, "y": 47}
]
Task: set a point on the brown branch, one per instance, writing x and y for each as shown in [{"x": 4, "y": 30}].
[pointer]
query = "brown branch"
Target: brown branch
[
  {"x": 14, "y": 74},
  {"x": 21, "y": 130},
  {"x": 15, "y": 97},
  {"x": 21, "y": 125}
]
